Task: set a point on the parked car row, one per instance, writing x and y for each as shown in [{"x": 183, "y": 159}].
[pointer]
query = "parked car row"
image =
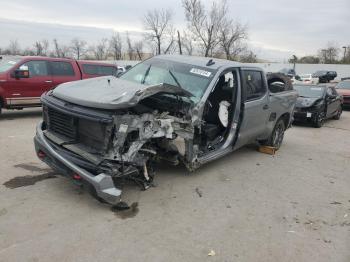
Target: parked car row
[
  {"x": 24, "y": 79},
  {"x": 321, "y": 76}
]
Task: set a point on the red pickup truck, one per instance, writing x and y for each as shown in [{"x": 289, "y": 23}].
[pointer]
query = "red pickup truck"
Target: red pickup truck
[{"x": 24, "y": 79}]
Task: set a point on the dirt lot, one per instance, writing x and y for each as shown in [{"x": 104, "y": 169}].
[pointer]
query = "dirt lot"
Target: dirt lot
[{"x": 249, "y": 206}]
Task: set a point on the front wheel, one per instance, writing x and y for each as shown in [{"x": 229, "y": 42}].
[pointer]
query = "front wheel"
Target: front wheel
[
  {"x": 319, "y": 120},
  {"x": 276, "y": 138}
]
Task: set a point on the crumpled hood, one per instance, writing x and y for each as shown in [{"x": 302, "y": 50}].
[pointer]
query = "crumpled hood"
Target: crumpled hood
[
  {"x": 109, "y": 92},
  {"x": 305, "y": 101}
]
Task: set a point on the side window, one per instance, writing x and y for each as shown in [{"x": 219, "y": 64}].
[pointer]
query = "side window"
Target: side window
[
  {"x": 98, "y": 70},
  {"x": 62, "y": 69},
  {"x": 89, "y": 69},
  {"x": 253, "y": 84},
  {"x": 36, "y": 68},
  {"x": 106, "y": 70}
]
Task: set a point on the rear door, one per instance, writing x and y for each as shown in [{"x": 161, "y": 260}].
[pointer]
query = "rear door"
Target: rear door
[
  {"x": 27, "y": 91},
  {"x": 256, "y": 105},
  {"x": 63, "y": 71}
]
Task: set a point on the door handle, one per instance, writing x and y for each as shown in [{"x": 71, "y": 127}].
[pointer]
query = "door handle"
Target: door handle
[
  {"x": 265, "y": 107},
  {"x": 48, "y": 81}
]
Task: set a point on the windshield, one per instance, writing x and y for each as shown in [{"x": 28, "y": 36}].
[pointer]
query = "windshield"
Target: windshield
[
  {"x": 309, "y": 91},
  {"x": 7, "y": 63},
  {"x": 343, "y": 85},
  {"x": 157, "y": 71}
]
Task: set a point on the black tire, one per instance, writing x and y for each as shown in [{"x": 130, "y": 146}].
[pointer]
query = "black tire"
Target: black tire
[
  {"x": 319, "y": 120},
  {"x": 278, "y": 82},
  {"x": 276, "y": 138},
  {"x": 339, "y": 112}
]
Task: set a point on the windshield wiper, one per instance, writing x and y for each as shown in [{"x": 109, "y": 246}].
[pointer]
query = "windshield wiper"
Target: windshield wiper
[
  {"x": 174, "y": 77},
  {"x": 146, "y": 74}
]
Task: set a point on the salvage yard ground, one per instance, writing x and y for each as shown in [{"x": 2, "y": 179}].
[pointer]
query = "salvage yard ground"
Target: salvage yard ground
[{"x": 248, "y": 206}]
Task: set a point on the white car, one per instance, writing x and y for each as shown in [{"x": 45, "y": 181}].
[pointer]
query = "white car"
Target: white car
[{"x": 308, "y": 79}]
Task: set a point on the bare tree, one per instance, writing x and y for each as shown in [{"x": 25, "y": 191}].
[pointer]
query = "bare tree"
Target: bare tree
[
  {"x": 38, "y": 48},
  {"x": 115, "y": 45},
  {"x": 329, "y": 55},
  {"x": 187, "y": 42},
  {"x": 139, "y": 49},
  {"x": 248, "y": 57},
  {"x": 159, "y": 27},
  {"x": 231, "y": 36},
  {"x": 78, "y": 47},
  {"x": 14, "y": 48},
  {"x": 130, "y": 51},
  {"x": 101, "y": 49},
  {"x": 205, "y": 25},
  {"x": 57, "y": 48}
]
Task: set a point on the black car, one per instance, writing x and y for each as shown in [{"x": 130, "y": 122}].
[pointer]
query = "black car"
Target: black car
[
  {"x": 315, "y": 104},
  {"x": 288, "y": 72},
  {"x": 325, "y": 76}
]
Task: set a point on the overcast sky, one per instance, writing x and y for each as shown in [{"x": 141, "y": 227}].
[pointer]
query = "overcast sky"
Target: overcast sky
[{"x": 277, "y": 28}]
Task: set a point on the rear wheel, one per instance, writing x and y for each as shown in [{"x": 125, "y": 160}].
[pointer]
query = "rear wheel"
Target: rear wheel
[
  {"x": 339, "y": 112},
  {"x": 276, "y": 138}
]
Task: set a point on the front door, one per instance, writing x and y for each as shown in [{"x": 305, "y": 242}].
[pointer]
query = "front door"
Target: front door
[
  {"x": 333, "y": 102},
  {"x": 27, "y": 91}
]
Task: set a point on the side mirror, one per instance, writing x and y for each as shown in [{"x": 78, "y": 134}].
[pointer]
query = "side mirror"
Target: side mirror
[{"x": 22, "y": 72}]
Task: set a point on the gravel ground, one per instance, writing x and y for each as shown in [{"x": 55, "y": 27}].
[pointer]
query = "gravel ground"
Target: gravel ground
[{"x": 248, "y": 206}]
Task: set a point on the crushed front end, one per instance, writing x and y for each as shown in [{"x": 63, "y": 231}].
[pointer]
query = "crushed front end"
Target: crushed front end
[{"x": 102, "y": 148}]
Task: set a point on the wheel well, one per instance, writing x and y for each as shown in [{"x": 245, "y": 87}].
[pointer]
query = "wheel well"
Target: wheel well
[{"x": 286, "y": 119}]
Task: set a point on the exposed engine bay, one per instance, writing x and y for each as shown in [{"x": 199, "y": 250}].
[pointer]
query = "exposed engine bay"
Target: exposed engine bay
[{"x": 158, "y": 128}]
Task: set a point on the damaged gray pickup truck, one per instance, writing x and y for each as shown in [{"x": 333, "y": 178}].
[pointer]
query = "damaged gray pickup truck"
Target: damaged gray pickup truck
[{"x": 104, "y": 131}]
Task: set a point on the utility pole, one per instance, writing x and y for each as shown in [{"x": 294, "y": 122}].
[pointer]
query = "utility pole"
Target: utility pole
[
  {"x": 179, "y": 41},
  {"x": 324, "y": 52}
]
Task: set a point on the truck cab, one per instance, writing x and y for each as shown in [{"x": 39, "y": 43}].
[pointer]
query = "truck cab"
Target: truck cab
[{"x": 24, "y": 79}]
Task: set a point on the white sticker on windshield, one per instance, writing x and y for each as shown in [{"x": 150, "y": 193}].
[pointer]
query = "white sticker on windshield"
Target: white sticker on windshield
[
  {"x": 316, "y": 88},
  {"x": 200, "y": 72}
]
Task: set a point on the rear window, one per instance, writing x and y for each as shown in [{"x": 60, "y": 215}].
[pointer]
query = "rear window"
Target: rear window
[
  {"x": 62, "y": 69},
  {"x": 98, "y": 70}
]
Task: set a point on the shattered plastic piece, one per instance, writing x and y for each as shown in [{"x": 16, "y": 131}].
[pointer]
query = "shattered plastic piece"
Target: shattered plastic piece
[{"x": 211, "y": 253}]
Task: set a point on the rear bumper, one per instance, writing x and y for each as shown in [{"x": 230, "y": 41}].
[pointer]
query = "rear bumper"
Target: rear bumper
[{"x": 102, "y": 183}]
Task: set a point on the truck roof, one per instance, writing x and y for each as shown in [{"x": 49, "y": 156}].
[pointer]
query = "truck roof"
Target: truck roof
[
  {"x": 202, "y": 61},
  {"x": 90, "y": 62}
]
